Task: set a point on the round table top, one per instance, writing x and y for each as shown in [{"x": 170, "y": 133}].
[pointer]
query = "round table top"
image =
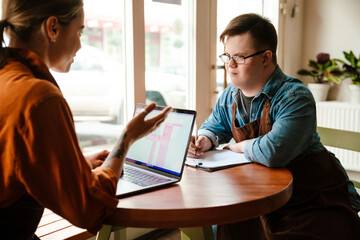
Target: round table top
[{"x": 204, "y": 198}]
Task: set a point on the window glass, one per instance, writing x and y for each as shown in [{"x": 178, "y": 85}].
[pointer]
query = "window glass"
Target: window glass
[
  {"x": 95, "y": 84},
  {"x": 167, "y": 52}
]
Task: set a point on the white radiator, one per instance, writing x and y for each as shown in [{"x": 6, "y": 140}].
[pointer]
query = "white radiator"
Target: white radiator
[{"x": 343, "y": 116}]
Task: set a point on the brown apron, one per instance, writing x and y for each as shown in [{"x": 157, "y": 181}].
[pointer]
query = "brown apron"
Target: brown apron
[{"x": 319, "y": 208}]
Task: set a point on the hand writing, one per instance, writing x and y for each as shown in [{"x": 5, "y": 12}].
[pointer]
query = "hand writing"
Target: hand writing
[{"x": 202, "y": 145}]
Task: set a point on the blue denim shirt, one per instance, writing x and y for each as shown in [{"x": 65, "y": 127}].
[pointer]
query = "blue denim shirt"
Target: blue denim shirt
[{"x": 293, "y": 119}]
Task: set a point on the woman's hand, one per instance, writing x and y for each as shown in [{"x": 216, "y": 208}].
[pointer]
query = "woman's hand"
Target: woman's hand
[
  {"x": 197, "y": 149},
  {"x": 96, "y": 159},
  {"x": 139, "y": 127},
  {"x": 135, "y": 129}
]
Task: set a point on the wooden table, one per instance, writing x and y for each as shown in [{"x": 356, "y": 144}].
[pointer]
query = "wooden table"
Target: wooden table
[{"x": 208, "y": 198}]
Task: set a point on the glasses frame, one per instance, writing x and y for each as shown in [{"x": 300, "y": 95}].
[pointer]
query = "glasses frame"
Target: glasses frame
[{"x": 239, "y": 59}]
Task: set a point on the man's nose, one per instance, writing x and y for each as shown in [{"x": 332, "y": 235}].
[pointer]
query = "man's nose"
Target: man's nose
[{"x": 232, "y": 63}]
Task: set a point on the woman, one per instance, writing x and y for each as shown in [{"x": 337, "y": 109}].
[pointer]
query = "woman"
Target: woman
[{"x": 41, "y": 162}]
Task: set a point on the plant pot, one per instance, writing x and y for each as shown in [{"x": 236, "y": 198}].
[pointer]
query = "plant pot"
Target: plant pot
[
  {"x": 354, "y": 93},
  {"x": 319, "y": 91}
]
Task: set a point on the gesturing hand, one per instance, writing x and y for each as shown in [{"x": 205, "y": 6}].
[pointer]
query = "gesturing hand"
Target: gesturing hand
[
  {"x": 135, "y": 129},
  {"x": 139, "y": 127}
]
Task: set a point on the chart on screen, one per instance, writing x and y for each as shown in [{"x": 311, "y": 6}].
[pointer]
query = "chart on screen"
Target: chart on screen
[{"x": 164, "y": 147}]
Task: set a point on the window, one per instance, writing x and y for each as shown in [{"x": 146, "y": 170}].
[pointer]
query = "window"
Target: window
[
  {"x": 95, "y": 85},
  {"x": 167, "y": 52}
]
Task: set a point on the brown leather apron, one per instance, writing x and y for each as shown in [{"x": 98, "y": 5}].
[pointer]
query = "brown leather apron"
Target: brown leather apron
[{"x": 319, "y": 208}]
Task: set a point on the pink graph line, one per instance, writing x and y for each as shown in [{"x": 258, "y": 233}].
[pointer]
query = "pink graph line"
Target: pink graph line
[{"x": 164, "y": 140}]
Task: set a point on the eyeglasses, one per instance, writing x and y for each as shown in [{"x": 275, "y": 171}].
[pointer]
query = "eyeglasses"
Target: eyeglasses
[{"x": 238, "y": 59}]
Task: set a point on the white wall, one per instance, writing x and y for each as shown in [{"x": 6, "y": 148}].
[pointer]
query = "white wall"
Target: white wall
[
  {"x": 330, "y": 26},
  {"x": 290, "y": 36}
]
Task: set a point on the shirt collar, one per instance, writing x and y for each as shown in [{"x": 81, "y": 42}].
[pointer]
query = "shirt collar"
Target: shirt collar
[
  {"x": 32, "y": 61},
  {"x": 271, "y": 86}
]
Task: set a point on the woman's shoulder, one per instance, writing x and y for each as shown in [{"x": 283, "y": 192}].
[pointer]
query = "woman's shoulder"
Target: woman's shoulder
[
  {"x": 21, "y": 91},
  {"x": 20, "y": 82}
]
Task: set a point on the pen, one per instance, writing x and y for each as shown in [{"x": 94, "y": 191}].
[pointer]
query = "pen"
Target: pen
[{"x": 196, "y": 137}]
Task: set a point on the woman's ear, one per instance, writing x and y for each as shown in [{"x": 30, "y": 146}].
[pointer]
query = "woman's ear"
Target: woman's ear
[{"x": 52, "y": 27}]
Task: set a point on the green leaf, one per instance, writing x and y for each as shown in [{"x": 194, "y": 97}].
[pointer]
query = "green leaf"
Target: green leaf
[
  {"x": 356, "y": 81},
  {"x": 313, "y": 64},
  {"x": 328, "y": 64},
  {"x": 331, "y": 68},
  {"x": 350, "y": 57},
  {"x": 338, "y": 73},
  {"x": 339, "y": 60},
  {"x": 304, "y": 72},
  {"x": 334, "y": 79},
  {"x": 354, "y": 60},
  {"x": 314, "y": 73}
]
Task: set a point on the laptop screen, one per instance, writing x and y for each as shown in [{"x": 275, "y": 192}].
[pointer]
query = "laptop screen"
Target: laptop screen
[{"x": 166, "y": 147}]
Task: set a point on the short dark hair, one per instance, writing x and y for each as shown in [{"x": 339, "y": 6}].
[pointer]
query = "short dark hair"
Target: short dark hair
[{"x": 260, "y": 28}]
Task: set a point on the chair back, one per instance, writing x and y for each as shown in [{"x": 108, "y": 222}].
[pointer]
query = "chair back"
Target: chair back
[{"x": 340, "y": 139}]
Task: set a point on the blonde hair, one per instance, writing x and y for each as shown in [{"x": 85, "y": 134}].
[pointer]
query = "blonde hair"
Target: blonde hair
[{"x": 22, "y": 17}]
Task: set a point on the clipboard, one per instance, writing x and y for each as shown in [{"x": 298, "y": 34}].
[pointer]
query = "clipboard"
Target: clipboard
[{"x": 217, "y": 159}]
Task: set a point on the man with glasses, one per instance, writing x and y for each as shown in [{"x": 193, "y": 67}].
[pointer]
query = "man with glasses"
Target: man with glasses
[{"x": 272, "y": 118}]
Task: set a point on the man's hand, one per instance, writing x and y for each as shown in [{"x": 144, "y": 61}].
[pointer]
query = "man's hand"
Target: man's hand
[
  {"x": 202, "y": 145},
  {"x": 96, "y": 159},
  {"x": 237, "y": 147}
]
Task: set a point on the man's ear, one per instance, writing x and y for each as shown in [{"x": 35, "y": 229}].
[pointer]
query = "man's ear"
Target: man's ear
[
  {"x": 267, "y": 57},
  {"x": 52, "y": 28}
]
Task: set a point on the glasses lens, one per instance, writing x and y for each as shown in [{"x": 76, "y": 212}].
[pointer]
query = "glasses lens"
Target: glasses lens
[
  {"x": 239, "y": 59},
  {"x": 225, "y": 58}
]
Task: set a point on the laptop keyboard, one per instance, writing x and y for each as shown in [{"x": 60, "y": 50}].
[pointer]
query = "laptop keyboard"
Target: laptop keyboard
[{"x": 142, "y": 178}]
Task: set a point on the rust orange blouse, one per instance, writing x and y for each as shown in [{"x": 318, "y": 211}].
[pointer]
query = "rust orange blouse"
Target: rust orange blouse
[{"x": 39, "y": 150}]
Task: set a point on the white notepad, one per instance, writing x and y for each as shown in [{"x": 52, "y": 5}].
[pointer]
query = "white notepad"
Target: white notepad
[{"x": 217, "y": 159}]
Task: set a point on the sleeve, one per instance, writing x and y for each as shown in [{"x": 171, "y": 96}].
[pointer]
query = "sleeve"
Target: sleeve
[
  {"x": 54, "y": 171},
  {"x": 291, "y": 134},
  {"x": 217, "y": 126}
]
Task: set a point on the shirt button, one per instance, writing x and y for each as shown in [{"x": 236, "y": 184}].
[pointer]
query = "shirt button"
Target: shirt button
[
  {"x": 96, "y": 192},
  {"x": 253, "y": 115}
]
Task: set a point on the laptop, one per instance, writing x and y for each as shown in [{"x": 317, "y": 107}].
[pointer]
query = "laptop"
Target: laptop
[{"x": 158, "y": 159}]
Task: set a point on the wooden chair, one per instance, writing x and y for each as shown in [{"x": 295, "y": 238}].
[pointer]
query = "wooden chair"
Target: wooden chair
[
  {"x": 52, "y": 226},
  {"x": 340, "y": 139}
]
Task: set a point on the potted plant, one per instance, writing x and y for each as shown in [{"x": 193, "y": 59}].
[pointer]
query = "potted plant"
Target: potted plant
[
  {"x": 351, "y": 69},
  {"x": 323, "y": 70}
]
